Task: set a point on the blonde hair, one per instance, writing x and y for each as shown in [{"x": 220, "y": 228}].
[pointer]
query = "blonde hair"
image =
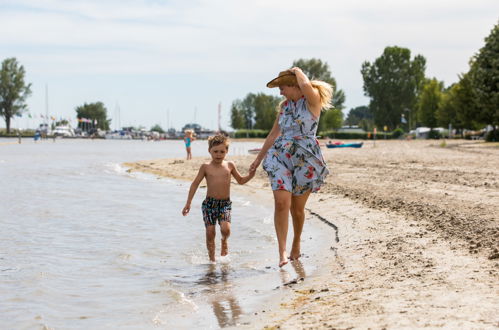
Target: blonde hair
[
  {"x": 218, "y": 139},
  {"x": 325, "y": 94},
  {"x": 189, "y": 132}
]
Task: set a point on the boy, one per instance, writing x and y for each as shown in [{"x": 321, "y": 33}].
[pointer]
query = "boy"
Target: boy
[{"x": 217, "y": 205}]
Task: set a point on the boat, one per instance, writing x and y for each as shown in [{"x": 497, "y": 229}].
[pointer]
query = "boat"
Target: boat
[
  {"x": 344, "y": 145},
  {"x": 63, "y": 131},
  {"x": 254, "y": 151}
]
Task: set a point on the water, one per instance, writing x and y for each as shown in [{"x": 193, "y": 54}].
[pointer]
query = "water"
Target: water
[{"x": 84, "y": 244}]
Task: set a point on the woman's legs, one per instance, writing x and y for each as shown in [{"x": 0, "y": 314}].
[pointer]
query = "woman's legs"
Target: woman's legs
[
  {"x": 298, "y": 214},
  {"x": 282, "y": 204}
]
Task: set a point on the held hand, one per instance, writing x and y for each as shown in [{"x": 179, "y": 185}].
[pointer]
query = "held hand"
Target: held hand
[
  {"x": 254, "y": 166},
  {"x": 186, "y": 210}
]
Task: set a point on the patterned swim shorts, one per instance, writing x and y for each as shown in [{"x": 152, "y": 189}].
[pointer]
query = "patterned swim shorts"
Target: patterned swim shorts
[{"x": 216, "y": 210}]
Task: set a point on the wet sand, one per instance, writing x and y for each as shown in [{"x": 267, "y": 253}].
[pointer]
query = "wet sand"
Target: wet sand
[{"x": 418, "y": 233}]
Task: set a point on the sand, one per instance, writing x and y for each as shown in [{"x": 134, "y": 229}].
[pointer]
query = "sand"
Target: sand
[{"x": 418, "y": 229}]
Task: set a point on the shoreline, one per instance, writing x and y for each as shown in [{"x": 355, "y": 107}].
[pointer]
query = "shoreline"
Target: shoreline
[{"x": 417, "y": 239}]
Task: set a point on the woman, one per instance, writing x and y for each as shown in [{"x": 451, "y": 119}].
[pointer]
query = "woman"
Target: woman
[{"x": 293, "y": 158}]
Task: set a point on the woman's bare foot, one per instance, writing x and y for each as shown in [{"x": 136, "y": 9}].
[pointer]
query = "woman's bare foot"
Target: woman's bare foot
[
  {"x": 295, "y": 251},
  {"x": 225, "y": 248},
  {"x": 294, "y": 255},
  {"x": 283, "y": 261}
]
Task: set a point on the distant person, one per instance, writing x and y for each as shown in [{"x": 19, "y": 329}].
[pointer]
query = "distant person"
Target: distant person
[
  {"x": 188, "y": 138},
  {"x": 292, "y": 155},
  {"x": 217, "y": 206},
  {"x": 37, "y": 135}
]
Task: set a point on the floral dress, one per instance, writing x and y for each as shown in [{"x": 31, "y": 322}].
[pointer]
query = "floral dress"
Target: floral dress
[{"x": 295, "y": 162}]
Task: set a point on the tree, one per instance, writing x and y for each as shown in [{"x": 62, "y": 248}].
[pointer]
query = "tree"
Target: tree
[
  {"x": 93, "y": 112},
  {"x": 254, "y": 111},
  {"x": 157, "y": 128},
  {"x": 458, "y": 106},
  {"x": 355, "y": 115},
  {"x": 331, "y": 119},
  {"x": 392, "y": 82},
  {"x": 315, "y": 69},
  {"x": 484, "y": 78},
  {"x": 13, "y": 90},
  {"x": 265, "y": 110},
  {"x": 429, "y": 101},
  {"x": 237, "y": 120}
]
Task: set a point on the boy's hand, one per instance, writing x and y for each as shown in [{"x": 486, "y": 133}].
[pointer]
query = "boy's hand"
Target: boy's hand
[{"x": 186, "y": 210}]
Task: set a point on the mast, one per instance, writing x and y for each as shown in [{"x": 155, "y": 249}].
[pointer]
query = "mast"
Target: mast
[
  {"x": 219, "y": 116},
  {"x": 46, "y": 105}
]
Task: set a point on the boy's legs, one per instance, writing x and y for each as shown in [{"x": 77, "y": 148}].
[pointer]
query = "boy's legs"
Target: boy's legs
[
  {"x": 225, "y": 231},
  {"x": 210, "y": 241}
]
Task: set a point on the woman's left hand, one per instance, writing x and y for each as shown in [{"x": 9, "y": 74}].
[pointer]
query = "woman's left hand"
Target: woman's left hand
[{"x": 254, "y": 165}]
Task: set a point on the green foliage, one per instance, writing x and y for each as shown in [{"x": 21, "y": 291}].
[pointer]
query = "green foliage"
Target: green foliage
[
  {"x": 393, "y": 82},
  {"x": 397, "y": 133},
  {"x": 254, "y": 111},
  {"x": 94, "y": 111},
  {"x": 484, "y": 77},
  {"x": 157, "y": 128},
  {"x": 250, "y": 133},
  {"x": 429, "y": 101},
  {"x": 492, "y": 136},
  {"x": 355, "y": 115},
  {"x": 360, "y": 116},
  {"x": 315, "y": 69},
  {"x": 330, "y": 120},
  {"x": 434, "y": 135},
  {"x": 62, "y": 122},
  {"x": 355, "y": 136},
  {"x": 237, "y": 119},
  {"x": 458, "y": 105},
  {"x": 13, "y": 90}
]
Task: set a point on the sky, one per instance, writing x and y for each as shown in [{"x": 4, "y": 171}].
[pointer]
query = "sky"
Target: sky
[{"x": 174, "y": 62}]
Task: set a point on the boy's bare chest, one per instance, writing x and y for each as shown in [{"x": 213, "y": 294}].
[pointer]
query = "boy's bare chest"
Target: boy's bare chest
[{"x": 218, "y": 174}]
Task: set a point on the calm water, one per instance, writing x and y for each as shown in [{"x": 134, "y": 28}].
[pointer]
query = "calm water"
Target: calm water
[{"x": 84, "y": 244}]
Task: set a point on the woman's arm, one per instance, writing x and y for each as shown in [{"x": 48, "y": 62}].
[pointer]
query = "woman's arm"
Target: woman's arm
[
  {"x": 269, "y": 141},
  {"x": 311, "y": 94}
]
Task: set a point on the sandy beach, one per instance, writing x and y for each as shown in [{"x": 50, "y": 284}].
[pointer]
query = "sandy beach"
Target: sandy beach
[{"x": 417, "y": 223}]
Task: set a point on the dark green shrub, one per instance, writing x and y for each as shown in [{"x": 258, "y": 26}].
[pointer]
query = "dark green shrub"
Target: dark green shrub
[
  {"x": 434, "y": 135},
  {"x": 492, "y": 136},
  {"x": 397, "y": 133},
  {"x": 250, "y": 133}
]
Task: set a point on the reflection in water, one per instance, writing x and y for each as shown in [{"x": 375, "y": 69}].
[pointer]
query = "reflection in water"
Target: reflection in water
[
  {"x": 299, "y": 269},
  {"x": 224, "y": 304},
  {"x": 286, "y": 277}
]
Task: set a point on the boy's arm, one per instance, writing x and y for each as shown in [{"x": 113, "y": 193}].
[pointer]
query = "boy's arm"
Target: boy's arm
[
  {"x": 193, "y": 188},
  {"x": 235, "y": 173}
]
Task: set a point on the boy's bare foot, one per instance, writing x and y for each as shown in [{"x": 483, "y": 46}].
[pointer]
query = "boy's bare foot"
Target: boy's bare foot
[{"x": 225, "y": 248}]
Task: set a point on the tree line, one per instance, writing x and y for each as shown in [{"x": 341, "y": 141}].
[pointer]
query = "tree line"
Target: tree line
[{"x": 401, "y": 96}]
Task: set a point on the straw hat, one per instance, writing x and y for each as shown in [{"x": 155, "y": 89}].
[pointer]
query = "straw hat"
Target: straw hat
[{"x": 285, "y": 78}]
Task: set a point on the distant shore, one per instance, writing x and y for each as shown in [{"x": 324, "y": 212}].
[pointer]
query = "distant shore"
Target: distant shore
[{"x": 418, "y": 225}]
